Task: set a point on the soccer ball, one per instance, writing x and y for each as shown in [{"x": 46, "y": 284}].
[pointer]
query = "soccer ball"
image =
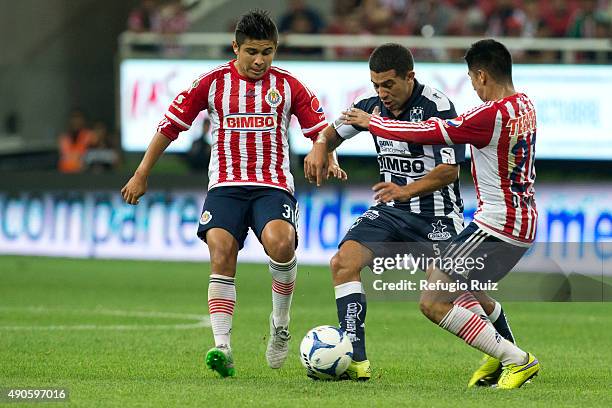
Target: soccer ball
[{"x": 326, "y": 352}]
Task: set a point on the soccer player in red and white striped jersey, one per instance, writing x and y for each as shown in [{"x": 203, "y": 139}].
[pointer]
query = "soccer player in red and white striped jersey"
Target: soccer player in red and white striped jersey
[
  {"x": 250, "y": 119},
  {"x": 250, "y": 104},
  {"x": 502, "y": 135}
]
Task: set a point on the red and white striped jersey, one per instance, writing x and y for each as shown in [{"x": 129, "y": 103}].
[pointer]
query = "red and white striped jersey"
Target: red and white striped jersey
[
  {"x": 503, "y": 136},
  {"x": 249, "y": 123}
]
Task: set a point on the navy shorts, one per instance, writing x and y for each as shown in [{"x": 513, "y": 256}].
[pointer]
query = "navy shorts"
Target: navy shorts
[
  {"x": 476, "y": 255},
  {"x": 412, "y": 233},
  {"x": 236, "y": 209}
]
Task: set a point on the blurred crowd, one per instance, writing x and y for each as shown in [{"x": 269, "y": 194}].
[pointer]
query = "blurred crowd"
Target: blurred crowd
[
  {"x": 85, "y": 148},
  {"x": 514, "y": 18},
  {"x": 157, "y": 16},
  {"x": 167, "y": 17},
  {"x": 427, "y": 18},
  {"x": 92, "y": 148}
]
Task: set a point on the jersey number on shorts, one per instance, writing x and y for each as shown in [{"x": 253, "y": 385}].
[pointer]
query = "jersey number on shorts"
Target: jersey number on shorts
[{"x": 291, "y": 214}]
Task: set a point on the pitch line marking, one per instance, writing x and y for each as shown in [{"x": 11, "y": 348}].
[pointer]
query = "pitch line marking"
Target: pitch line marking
[{"x": 201, "y": 321}]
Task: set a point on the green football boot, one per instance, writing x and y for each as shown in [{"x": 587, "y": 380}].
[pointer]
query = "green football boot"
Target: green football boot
[
  {"x": 487, "y": 374},
  {"x": 220, "y": 359},
  {"x": 358, "y": 371},
  {"x": 515, "y": 375}
]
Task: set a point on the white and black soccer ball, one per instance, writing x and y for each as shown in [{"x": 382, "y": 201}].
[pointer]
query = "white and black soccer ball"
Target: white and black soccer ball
[{"x": 326, "y": 352}]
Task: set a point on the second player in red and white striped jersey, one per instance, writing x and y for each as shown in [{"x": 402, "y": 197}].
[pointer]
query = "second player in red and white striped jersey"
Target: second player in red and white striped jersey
[
  {"x": 250, "y": 121},
  {"x": 502, "y": 135}
]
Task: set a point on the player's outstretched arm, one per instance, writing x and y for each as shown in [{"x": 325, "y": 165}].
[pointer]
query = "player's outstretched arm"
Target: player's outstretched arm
[
  {"x": 426, "y": 132},
  {"x": 136, "y": 187},
  {"x": 475, "y": 127},
  {"x": 317, "y": 167}
]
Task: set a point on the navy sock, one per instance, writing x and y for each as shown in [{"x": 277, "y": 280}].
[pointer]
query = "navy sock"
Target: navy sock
[
  {"x": 498, "y": 318},
  {"x": 352, "y": 309}
]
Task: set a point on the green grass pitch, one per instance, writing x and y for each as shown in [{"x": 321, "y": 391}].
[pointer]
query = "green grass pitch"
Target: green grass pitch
[{"x": 123, "y": 334}]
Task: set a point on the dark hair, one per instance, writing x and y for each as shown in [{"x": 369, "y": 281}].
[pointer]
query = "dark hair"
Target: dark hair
[
  {"x": 392, "y": 56},
  {"x": 256, "y": 25},
  {"x": 492, "y": 57}
]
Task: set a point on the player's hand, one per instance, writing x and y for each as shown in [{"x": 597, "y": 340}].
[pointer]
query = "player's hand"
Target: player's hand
[
  {"x": 334, "y": 170},
  {"x": 357, "y": 117},
  {"x": 134, "y": 189},
  {"x": 385, "y": 192},
  {"x": 316, "y": 164}
]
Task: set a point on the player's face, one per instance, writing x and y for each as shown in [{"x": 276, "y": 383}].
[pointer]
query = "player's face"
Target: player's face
[
  {"x": 393, "y": 90},
  {"x": 478, "y": 82},
  {"x": 254, "y": 57}
]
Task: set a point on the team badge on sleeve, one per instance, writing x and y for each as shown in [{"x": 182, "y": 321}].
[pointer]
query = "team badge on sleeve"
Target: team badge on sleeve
[
  {"x": 316, "y": 105},
  {"x": 273, "y": 97},
  {"x": 206, "y": 217},
  {"x": 454, "y": 122}
]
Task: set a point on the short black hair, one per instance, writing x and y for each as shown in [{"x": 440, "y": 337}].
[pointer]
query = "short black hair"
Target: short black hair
[
  {"x": 256, "y": 25},
  {"x": 491, "y": 56},
  {"x": 392, "y": 56}
]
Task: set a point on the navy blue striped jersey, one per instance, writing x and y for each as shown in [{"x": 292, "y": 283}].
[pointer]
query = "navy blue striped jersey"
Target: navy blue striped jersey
[{"x": 403, "y": 163}]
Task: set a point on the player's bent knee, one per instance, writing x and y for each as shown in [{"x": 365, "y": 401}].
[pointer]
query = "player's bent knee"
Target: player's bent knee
[
  {"x": 429, "y": 303},
  {"x": 278, "y": 240},
  {"x": 426, "y": 307},
  {"x": 335, "y": 264},
  {"x": 343, "y": 269},
  {"x": 432, "y": 310},
  {"x": 281, "y": 250}
]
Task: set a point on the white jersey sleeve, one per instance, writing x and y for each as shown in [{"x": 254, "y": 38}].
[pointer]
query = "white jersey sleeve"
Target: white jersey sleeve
[{"x": 363, "y": 102}]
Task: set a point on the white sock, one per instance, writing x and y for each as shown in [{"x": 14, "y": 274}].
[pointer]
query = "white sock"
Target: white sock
[
  {"x": 475, "y": 331},
  {"x": 495, "y": 313},
  {"x": 348, "y": 288},
  {"x": 221, "y": 301},
  {"x": 468, "y": 301},
  {"x": 283, "y": 282}
]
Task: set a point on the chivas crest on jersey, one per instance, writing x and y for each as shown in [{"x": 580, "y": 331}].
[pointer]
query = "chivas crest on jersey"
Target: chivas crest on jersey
[{"x": 273, "y": 97}]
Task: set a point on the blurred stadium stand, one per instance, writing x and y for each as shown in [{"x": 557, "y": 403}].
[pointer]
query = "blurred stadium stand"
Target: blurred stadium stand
[
  {"x": 60, "y": 54},
  {"x": 56, "y": 55},
  {"x": 214, "y": 45}
]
